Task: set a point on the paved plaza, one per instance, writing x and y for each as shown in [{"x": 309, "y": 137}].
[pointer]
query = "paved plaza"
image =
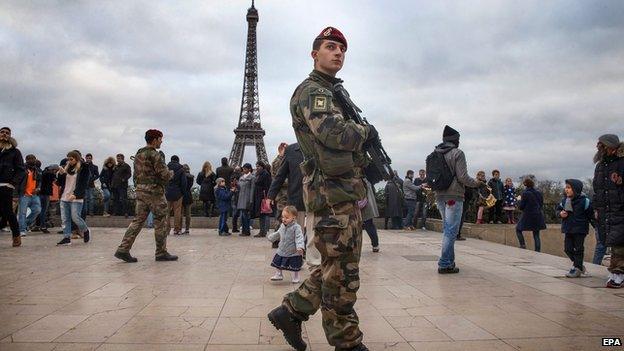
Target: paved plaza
[{"x": 217, "y": 295}]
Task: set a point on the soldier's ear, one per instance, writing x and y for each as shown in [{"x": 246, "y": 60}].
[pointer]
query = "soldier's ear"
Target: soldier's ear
[{"x": 314, "y": 53}]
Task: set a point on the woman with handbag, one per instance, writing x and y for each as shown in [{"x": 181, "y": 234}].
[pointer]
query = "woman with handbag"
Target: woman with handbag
[
  {"x": 262, "y": 205},
  {"x": 483, "y": 194}
]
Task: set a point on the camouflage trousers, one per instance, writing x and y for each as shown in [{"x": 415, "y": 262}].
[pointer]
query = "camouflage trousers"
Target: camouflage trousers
[
  {"x": 617, "y": 260},
  {"x": 333, "y": 285},
  {"x": 146, "y": 202}
]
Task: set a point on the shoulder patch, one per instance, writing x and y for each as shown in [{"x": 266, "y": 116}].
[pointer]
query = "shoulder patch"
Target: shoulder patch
[{"x": 320, "y": 100}]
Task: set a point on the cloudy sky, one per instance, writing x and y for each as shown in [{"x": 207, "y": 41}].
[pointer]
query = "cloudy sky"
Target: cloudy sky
[{"x": 529, "y": 84}]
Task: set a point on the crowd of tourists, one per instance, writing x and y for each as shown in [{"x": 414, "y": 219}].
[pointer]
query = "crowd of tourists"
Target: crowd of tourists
[{"x": 240, "y": 194}]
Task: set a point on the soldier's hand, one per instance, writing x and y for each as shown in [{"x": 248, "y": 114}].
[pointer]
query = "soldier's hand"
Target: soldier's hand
[{"x": 372, "y": 133}]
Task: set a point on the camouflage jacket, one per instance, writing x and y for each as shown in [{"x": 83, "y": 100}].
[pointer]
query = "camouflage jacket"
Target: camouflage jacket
[
  {"x": 282, "y": 196},
  {"x": 150, "y": 171},
  {"x": 331, "y": 145}
]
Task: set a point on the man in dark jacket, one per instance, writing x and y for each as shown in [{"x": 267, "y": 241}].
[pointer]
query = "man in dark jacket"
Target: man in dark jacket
[
  {"x": 47, "y": 180},
  {"x": 95, "y": 175},
  {"x": 28, "y": 192},
  {"x": 12, "y": 171},
  {"x": 609, "y": 202},
  {"x": 175, "y": 194},
  {"x": 496, "y": 212},
  {"x": 290, "y": 171},
  {"x": 119, "y": 185},
  {"x": 225, "y": 171},
  {"x": 450, "y": 201},
  {"x": 421, "y": 200}
]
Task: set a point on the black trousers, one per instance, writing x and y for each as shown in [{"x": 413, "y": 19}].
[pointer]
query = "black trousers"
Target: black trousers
[
  {"x": 574, "y": 248},
  {"x": 496, "y": 212},
  {"x": 121, "y": 201},
  {"x": 371, "y": 230},
  {"x": 6, "y": 209},
  {"x": 536, "y": 240}
]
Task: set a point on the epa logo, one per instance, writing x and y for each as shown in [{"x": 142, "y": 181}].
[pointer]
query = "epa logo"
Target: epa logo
[{"x": 611, "y": 342}]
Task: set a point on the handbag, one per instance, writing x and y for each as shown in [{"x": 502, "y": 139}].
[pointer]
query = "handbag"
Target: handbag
[{"x": 265, "y": 205}]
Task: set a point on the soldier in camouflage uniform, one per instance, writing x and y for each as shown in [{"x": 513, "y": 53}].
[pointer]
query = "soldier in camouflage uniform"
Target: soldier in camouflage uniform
[
  {"x": 332, "y": 183},
  {"x": 150, "y": 178}
]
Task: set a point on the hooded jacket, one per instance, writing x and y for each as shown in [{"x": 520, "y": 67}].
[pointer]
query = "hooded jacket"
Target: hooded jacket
[
  {"x": 609, "y": 196},
  {"x": 456, "y": 160},
  {"x": 579, "y": 218},
  {"x": 21, "y": 188},
  {"x": 177, "y": 185},
  {"x": 121, "y": 174},
  {"x": 12, "y": 168}
]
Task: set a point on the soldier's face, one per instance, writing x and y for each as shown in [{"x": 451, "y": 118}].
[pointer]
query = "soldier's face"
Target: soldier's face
[
  {"x": 329, "y": 58},
  {"x": 158, "y": 142}
]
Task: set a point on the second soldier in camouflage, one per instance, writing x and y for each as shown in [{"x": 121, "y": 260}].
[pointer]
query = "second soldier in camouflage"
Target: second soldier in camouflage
[{"x": 150, "y": 178}]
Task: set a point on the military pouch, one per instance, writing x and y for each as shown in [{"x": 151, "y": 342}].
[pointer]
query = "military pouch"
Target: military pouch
[
  {"x": 334, "y": 163},
  {"x": 313, "y": 199},
  {"x": 333, "y": 235}
]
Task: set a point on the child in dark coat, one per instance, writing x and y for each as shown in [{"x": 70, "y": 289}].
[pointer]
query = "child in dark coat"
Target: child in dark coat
[
  {"x": 577, "y": 213},
  {"x": 224, "y": 203}
]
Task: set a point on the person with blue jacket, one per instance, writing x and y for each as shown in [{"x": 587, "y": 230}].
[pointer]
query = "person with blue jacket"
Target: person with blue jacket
[
  {"x": 224, "y": 203},
  {"x": 577, "y": 213}
]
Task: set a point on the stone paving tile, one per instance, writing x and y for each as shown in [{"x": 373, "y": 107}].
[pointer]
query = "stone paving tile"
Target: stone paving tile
[{"x": 217, "y": 295}]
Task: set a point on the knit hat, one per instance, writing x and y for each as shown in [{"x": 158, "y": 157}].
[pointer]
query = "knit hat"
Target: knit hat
[
  {"x": 331, "y": 33},
  {"x": 610, "y": 140},
  {"x": 450, "y": 134}
]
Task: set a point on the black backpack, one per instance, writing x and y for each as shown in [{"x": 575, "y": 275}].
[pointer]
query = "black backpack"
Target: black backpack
[{"x": 439, "y": 175}]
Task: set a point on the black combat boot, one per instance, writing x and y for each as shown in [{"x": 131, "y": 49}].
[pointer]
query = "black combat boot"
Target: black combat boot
[
  {"x": 166, "y": 257},
  {"x": 360, "y": 347},
  {"x": 283, "y": 320},
  {"x": 125, "y": 256}
]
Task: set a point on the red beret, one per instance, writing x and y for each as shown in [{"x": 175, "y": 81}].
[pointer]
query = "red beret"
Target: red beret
[
  {"x": 153, "y": 133},
  {"x": 331, "y": 33}
]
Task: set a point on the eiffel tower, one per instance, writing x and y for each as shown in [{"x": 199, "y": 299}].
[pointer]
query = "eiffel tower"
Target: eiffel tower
[{"x": 249, "y": 131}]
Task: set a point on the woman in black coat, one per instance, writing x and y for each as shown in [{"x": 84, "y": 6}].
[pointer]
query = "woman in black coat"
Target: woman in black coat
[
  {"x": 261, "y": 190},
  {"x": 532, "y": 218},
  {"x": 207, "y": 182},
  {"x": 394, "y": 204}
]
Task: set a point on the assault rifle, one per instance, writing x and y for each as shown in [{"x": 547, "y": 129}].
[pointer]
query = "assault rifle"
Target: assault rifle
[{"x": 379, "y": 169}]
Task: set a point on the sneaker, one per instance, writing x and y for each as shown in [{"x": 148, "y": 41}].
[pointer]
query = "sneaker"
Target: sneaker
[
  {"x": 612, "y": 284},
  {"x": 106, "y": 214},
  {"x": 424, "y": 228},
  {"x": 448, "y": 270},
  {"x": 17, "y": 241},
  {"x": 125, "y": 256},
  {"x": 35, "y": 229},
  {"x": 186, "y": 232},
  {"x": 296, "y": 280},
  {"x": 277, "y": 277},
  {"x": 244, "y": 234},
  {"x": 166, "y": 257},
  {"x": 86, "y": 236},
  {"x": 45, "y": 231},
  {"x": 64, "y": 242},
  {"x": 260, "y": 235},
  {"x": 574, "y": 273},
  {"x": 23, "y": 234},
  {"x": 290, "y": 326},
  {"x": 375, "y": 248}
]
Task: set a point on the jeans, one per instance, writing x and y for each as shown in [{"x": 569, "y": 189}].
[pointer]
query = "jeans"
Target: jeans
[
  {"x": 89, "y": 200},
  {"x": 601, "y": 249},
  {"x": 244, "y": 215},
  {"x": 6, "y": 209},
  {"x": 451, "y": 212},
  {"x": 536, "y": 239},
  {"x": 26, "y": 202},
  {"x": 43, "y": 215},
  {"x": 265, "y": 223},
  {"x": 371, "y": 230},
  {"x": 223, "y": 227},
  {"x": 411, "y": 208},
  {"x": 421, "y": 211},
  {"x": 575, "y": 249},
  {"x": 106, "y": 196},
  {"x": 70, "y": 211}
]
